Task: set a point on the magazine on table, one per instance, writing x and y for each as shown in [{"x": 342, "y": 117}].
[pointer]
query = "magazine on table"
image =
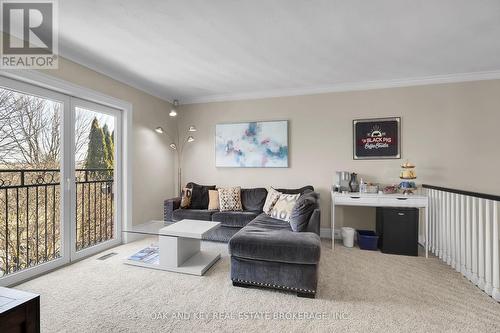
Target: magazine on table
[{"x": 148, "y": 255}]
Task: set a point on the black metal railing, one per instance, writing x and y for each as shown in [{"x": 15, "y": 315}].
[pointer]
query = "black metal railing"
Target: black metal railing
[
  {"x": 94, "y": 207},
  {"x": 30, "y": 214}
]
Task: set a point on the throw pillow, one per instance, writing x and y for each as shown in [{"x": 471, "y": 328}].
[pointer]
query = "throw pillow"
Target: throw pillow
[
  {"x": 301, "y": 213},
  {"x": 284, "y": 206},
  {"x": 186, "y": 197},
  {"x": 230, "y": 199},
  {"x": 199, "y": 200},
  {"x": 272, "y": 197},
  {"x": 213, "y": 200}
]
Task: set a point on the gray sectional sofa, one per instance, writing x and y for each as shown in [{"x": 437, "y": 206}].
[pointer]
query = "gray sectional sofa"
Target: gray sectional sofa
[{"x": 265, "y": 252}]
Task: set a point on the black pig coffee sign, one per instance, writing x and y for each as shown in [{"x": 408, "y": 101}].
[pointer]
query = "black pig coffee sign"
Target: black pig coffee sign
[{"x": 377, "y": 138}]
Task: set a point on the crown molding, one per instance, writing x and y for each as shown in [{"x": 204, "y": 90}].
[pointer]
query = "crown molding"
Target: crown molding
[
  {"x": 275, "y": 93},
  {"x": 343, "y": 87}
]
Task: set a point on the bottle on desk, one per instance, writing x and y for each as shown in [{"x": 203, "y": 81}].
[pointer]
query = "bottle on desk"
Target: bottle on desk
[{"x": 362, "y": 186}]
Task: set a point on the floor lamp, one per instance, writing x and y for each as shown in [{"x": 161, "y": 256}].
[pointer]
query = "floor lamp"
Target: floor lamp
[{"x": 178, "y": 143}]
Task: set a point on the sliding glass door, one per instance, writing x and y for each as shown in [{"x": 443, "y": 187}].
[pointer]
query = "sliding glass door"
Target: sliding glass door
[{"x": 60, "y": 179}]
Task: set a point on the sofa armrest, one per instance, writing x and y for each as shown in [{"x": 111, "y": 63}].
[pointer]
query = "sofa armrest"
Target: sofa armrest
[
  {"x": 314, "y": 222},
  {"x": 169, "y": 206}
]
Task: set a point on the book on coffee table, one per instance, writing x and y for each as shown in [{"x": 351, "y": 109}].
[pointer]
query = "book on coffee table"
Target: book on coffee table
[{"x": 150, "y": 255}]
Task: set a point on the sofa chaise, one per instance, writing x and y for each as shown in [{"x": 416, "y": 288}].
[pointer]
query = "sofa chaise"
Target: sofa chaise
[{"x": 265, "y": 251}]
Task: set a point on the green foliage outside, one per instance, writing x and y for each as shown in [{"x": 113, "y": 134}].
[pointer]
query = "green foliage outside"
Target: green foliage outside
[
  {"x": 110, "y": 146},
  {"x": 101, "y": 147}
]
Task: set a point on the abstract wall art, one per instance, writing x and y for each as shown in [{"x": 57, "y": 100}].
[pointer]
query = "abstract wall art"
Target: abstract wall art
[{"x": 252, "y": 145}]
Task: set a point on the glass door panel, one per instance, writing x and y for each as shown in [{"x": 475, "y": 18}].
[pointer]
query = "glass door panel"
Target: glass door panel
[
  {"x": 31, "y": 174},
  {"x": 96, "y": 138}
]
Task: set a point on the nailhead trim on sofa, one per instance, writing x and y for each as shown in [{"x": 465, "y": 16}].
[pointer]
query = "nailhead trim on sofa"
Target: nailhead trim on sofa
[{"x": 275, "y": 286}]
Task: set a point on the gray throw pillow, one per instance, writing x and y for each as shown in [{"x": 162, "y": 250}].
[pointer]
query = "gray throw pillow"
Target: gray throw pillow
[
  {"x": 199, "y": 198},
  {"x": 302, "y": 211}
]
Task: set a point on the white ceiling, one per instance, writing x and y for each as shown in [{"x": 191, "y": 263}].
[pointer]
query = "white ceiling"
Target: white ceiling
[{"x": 226, "y": 49}]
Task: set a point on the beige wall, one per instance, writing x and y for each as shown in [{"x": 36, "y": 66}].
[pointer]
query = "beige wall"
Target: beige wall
[
  {"x": 448, "y": 131},
  {"x": 152, "y": 161}
]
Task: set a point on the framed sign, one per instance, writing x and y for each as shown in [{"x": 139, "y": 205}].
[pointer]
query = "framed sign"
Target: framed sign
[{"x": 377, "y": 138}]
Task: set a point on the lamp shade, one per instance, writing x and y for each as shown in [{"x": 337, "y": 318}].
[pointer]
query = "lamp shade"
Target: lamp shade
[
  {"x": 159, "y": 130},
  {"x": 190, "y": 139},
  {"x": 173, "y": 146}
]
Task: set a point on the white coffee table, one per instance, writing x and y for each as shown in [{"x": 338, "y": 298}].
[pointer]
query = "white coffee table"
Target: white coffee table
[{"x": 178, "y": 246}]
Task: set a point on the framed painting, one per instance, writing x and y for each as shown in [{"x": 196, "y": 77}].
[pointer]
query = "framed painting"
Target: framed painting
[
  {"x": 377, "y": 138},
  {"x": 262, "y": 144}
]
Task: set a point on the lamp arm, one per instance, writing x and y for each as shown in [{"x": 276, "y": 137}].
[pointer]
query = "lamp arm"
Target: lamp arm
[{"x": 184, "y": 141}]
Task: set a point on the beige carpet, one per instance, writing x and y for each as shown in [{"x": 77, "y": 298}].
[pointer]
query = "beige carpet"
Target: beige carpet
[{"x": 359, "y": 291}]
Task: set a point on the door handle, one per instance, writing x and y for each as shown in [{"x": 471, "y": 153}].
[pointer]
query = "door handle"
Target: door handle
[
  {"x": 355, "y": 197},
  {"x": 401, "y": 214},
  {"x": 402, "y": 198}
]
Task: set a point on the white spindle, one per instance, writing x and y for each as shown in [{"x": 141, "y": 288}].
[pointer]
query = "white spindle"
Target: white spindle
[
  {"x": 432, "y": 209},
  {"x": 431, "y": 220},
  {"x": 452, "y": 230},
  {"x": 488, "y": 244},
  {"x": 475, "y": 243},
  {"x": 457, "y": 224},
  {"x": 468, "y": 238},
  {"x": 428, "y": 239},
  {"x": 434, "y": 221},
  {"x": 438, "y": 220},
  {"x": 446, "y": 215},
  {"x": 442, "y": 254},
  {"x": 496, "y": 253},
  {"x": 480, "y": 244},
  {"x": 463, "y": 244},
  {"x": 442, "y": 207},
  {"x": 457, "y": 232}
]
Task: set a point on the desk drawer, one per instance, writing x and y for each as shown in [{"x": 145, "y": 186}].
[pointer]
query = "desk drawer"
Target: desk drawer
[
  {"x": 356, "y": 200},
  {"x": 402, "y": 202}
]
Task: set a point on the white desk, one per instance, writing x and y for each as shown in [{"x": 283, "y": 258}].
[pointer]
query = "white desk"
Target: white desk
[{"x": 382, "y": 200}]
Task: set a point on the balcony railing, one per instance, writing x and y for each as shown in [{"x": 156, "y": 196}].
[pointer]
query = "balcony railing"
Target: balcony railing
[
  {"x": 94, "y": 207},
  {"x": 30, "y": 214},
  {"x": 464, "y": 231}
]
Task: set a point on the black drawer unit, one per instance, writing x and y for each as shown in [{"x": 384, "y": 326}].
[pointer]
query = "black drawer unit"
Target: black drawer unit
[{"x": 397, "y": 229}]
